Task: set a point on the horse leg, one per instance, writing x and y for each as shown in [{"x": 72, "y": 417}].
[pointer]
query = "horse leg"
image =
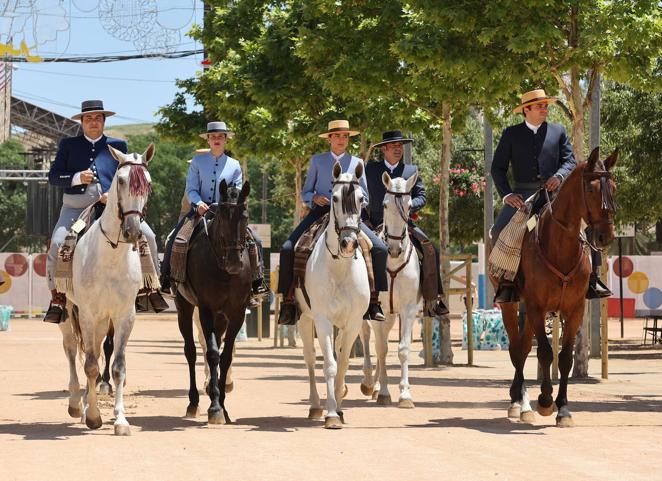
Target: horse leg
[
  {"x": 214, "y": 413},
  {"x": 104, "y": 386},
  {"x": 71, "y": 349},
  {"x": 203, "y": 345},
  {"x": 345, "y": 341},
  {"x": 123, "y": 330},
  {"x": 407, "y": 316},
  {"x": 367, "y": 383},
  {"x": 571, "y": 325},
  {"x": 382, "y": 330},
  {"x": 324, "y": 329},
  {"x": 92, "y": 342},
  {"x": 536, "y": 318},
  {"x": 184, "y": 321},
  {"x": 520, "y": 346},
  {"x": 226, "y": 358},
  {"x": 307, "y": 336}
]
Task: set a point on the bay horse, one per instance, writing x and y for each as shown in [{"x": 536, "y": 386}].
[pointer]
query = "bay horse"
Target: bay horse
[
  {"x": 337, "y": 287},
  {"x": 402, "y": 298},
  {"x": 106, "y": 278},
  {"x": 218, "y": 282},
  {"x": 553, "y": 277}
]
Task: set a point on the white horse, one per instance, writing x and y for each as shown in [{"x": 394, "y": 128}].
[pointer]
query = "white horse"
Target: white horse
[
  {"x": 402, "y": 298},
  {"x": 338, "y": 289},
  {"x": 106, "y": 278}
]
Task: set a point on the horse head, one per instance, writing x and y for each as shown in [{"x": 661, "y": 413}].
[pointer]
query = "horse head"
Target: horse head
[
  {"x": 397, "y": 204},
  {"x": 230, "y": 224},
  {"x": 599, "y": 204},
  {"x": 130, "y": 190},
  {"x": 346, "y": 202}
]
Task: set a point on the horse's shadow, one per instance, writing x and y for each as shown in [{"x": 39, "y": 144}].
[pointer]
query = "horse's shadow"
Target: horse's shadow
[
  {"x": 44, "y": 431},
  {"x": 45, "y": 395},
  {"x": 278, "y": 424},
  {"x": 487, "y": 425}
]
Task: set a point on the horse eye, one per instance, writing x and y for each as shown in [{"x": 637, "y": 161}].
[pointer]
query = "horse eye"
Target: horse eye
[
  {"x": 336, "y": 198},
  {"x": 361, "y": 199},
  {"x": 121, "y": 180}
]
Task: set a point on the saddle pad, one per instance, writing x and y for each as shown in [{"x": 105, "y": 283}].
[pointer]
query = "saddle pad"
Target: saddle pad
[
  {"x": 305, "y": 246},
  {"x": 505, "y": 256}
]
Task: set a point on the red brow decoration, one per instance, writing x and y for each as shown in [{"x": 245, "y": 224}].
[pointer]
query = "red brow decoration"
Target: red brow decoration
[{"x": 138, "y": 184}]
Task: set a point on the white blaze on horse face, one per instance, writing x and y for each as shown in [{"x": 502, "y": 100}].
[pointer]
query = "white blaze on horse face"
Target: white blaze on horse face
[
  {"x": 396, "y": 213},
  {"x": 346, "y": 213}
]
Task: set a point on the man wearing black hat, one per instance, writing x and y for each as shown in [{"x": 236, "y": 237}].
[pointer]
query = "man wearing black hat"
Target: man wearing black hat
[
  {"x": 392, "y": 148},
  {"x": 85, "y": 168}
]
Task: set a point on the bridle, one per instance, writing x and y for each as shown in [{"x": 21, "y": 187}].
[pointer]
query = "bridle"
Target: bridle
[
  {"x": 121, "y": 213},
  {"x": 403, "y": 215},
  {"x": 346, "y": 228},
  {"x": 223, "y": 247}
]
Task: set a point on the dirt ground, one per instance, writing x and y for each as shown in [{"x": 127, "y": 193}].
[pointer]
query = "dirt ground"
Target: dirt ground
[{"x": 458, "y": 430}]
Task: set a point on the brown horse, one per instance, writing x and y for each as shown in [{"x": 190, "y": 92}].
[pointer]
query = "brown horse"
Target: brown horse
[{"x": 553, "y": 277}]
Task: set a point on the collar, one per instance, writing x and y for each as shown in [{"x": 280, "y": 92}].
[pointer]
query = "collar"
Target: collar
[
  {"x": 532, "y": 127},
  {"x": 337, "y": 157},
  {"x": 391, "y": 167},
  {"x": 93, "y": 141}
]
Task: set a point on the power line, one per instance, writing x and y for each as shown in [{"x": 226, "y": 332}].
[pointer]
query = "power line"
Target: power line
[
  {"x": 23, "y": 69},
  {"x": 110, "y": 58}
]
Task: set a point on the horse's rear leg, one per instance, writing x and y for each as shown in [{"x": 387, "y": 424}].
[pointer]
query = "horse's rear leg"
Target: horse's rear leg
[
  {"x": 104, "y": 386},
  {"x": 520, "y": 346},
  {"x": 185, "y": 324},
  {"x": 203, "y": 345},
  {"x": 407, "y": 317},
  {"x": 214, "y": 413},
  {"x": 308, "y": 339},
  {"x": 536, "y": 318},
  {"x": 367, "y": 383},
  {"x": 91, "y": 413},
  {"x": 382, "y": 330},
  {"x": 225, "y": 363},
  {"x": 570, "y": 327},
  {"x": 71, "y": 349},
  {"x": 123, "y": 329}
]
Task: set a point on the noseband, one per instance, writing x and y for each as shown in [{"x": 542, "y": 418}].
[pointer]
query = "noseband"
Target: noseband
[{"x": 346, "y": 228}]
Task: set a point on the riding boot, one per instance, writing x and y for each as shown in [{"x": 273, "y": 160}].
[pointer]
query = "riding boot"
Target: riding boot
[
  {"x": 374, "y": 311},
  {"x": 435, "y": 308},
  {"x": 506, "y": 292},
  {"x": 596, "y": 288},
  {"x": 57, "y": 311},
  {"x": 289, "y": 312},
  {"x": 142, "y": 302},
  {"x": 259, "y": 291},
  {"x": 157, "y": 301}
]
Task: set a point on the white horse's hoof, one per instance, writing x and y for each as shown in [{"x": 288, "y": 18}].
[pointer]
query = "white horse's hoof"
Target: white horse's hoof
[
  {"x": 315, "y": 413},
  {"x": 383, "y": 399},
  {"x": 406, "y": 404},
  {"x": 75, "y": 411},
  {"x": 229, "y": 387},
  {"x": 216, "y": 418},
  {"x": 344, "y": 393},
  {"x": 565, "y": 422},
  {"x": 122, "y": 430},
  {"x": 545, "y": 411},
  {"x": 527, "y": 417},
  {"x": 366, "y": 390},
  {"x": 514, "y": 411},
  {"x": 332, "y": 423},
  {"x": 191, "y": 412}
]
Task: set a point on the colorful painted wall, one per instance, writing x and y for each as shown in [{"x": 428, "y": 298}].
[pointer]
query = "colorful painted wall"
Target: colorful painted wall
[{"x": 642, "y": 284}]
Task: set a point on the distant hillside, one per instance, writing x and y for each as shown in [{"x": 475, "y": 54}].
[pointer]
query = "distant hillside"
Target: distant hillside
[{"x": 123, "y": 131}]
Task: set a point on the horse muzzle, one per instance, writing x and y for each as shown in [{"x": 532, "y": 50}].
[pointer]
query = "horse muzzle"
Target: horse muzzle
[
  {"x": 131, "y": 229},
  {"x": 348, "y": 245}
]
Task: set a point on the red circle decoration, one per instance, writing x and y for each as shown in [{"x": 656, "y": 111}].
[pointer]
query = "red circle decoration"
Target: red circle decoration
[
  {"x": 627, "y": 267},
  {"x": 39, "y": 265},
  {"x": 16, "y": 265}
]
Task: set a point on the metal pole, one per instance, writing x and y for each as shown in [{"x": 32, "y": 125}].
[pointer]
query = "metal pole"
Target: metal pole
[
  {"x": 620, "y": 283},
  {"x": 594, "y": 304},
  {"x": 427, "y": 341},
  {"x": 488, "y": 204},
  {"x": 604, "y": 332},
  {"x": 259, "y": 321},
  {"x": 470, "y": 322}
]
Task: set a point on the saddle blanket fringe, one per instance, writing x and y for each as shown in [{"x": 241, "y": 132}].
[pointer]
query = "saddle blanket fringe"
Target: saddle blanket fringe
[{"x": 505, "y": 256}]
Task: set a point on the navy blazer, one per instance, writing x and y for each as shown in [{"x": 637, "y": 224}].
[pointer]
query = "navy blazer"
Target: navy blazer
[
  {"x": 76, "y": 154},
  {"x": 534, "y": 158},
  {"x": 376, "y": 189}
]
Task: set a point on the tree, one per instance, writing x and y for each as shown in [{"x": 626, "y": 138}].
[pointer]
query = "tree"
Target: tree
[{"x": 13, "y": 195}]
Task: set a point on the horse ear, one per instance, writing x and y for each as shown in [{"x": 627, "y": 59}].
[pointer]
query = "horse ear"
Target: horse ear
[
  {"x": 224, "y": 191},
  {"x": 358, "y": 172},
  {"x": 119, "y": 156},
  {"x": 411, "y": 181},
  {"x": 386, "y": 180},
  {"x": 245, "y": 190},
  {"x": 149, "y": 153},
  {"x": 337, "y": 170},
  {"x": 593, "y": 159},
  {"x": 611, "y": 160}
]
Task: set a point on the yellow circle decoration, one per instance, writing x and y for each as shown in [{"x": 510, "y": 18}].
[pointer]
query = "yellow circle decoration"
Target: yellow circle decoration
[
  {"x": 7, "y": 285},
  {"x": 638, "y": 282}
]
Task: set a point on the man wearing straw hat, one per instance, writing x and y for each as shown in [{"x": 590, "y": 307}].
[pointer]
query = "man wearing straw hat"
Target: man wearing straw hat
[
  {"x": 316, "y": 193},
  {"x": 85, "y": 168},
  {"x": 392, "y": 149},
  {"x": 540, "y": 155}
]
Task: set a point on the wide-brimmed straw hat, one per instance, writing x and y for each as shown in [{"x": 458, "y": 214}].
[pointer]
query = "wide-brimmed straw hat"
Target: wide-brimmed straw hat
[
  {"x": 91, "y": 107},
  {"x": 213, "y": 127},
  {"x": 391, "y": 136},
  {"x": 537, "y": 96},
  {"x": 339, "y": 126}
]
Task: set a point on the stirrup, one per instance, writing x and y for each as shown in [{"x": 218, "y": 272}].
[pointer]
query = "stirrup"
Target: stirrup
[
  {"x": 55, "y": 314},
  {"x": 288, "y": 315},
  {"x": 506, "y": 292},
  {"x": 597, "y": 289}
]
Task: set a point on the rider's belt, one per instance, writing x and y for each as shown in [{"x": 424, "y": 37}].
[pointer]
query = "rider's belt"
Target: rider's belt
[{"x": 529, "y": 185}]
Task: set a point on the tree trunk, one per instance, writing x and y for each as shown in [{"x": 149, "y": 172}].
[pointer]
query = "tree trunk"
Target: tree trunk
[
  {"x": 298, "y": 206},
  {"x": 446, "y": 350}
]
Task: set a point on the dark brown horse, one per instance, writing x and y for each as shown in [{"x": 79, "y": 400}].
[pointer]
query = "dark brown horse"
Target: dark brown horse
[
  {"x": 219, "y": 279},
  {"x": 553, "y": 277}
]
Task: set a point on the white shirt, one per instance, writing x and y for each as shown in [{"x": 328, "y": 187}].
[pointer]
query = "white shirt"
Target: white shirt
[
  {"x": 391, "y": 167},
  {"x": 337, "y": 157},
  {"x": 532, "y": 127},
  {"x": 75, "y": 180}
]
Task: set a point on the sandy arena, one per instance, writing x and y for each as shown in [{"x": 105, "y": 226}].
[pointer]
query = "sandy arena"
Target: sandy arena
[{"x": 458, "y": 429}]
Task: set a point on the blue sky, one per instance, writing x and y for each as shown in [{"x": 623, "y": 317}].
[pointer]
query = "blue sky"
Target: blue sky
[{"x": 135, "y": 89}]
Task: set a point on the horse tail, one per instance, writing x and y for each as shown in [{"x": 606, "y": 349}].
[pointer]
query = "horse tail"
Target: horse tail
[{"x": 75, "y": 324}]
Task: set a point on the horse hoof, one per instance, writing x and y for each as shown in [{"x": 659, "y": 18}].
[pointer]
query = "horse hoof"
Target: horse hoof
[
  {"x": 122, "y": 430},
  {"x": 366, "y": 390},
  {"x": 191, "y": 412},
  {"x": 383, "y": 399},
  {"x": 565, "y": 422},
  {"x": 527, "y": 417},
  {"x": 229, "y": 387},
  {"x": 341, "y": 416},
  {"x": 315, "y": 413},
  {"x": 332, "y": 423},
  {"x": 545, "y": 411},
  {"x": 93, "y": 423},
  {"x": 514, "y": 412},
  {"x": 105, "y": 389},
  {"x": 216, "y": 418},
  {"x": 75, "y": 412},
  {"x": 344, "y": 392},
  {"x": 406, "y": 404},
  {"x": 375, "y": 393}
]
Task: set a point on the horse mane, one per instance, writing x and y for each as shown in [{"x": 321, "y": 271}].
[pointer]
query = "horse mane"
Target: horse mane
[
  {"x": 349, "y": 199},
  {"x": 139, "y": 186}
]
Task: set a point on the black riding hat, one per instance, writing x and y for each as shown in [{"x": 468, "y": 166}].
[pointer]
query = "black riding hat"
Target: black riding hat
[{"x": 391, "y": 136}]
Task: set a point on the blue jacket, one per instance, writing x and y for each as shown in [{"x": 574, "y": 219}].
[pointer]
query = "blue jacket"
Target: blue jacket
[
  {"x": 320, "y": 176},
  {"x": 373, "y": 173},
  {"x": 205, "y": 174},
  {"x": 534, "y": 158},
  {"x": 76, "y": 154}
]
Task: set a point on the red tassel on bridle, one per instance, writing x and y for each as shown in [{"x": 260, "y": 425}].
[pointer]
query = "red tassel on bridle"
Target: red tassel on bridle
[{"x": 139, "y": 186}]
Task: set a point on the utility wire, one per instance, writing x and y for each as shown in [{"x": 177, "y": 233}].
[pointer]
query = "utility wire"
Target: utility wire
[{"x": 109, "y": 58}]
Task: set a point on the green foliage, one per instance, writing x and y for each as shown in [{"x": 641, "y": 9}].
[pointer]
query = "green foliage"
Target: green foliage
[{"x": 13, "y": 195}]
